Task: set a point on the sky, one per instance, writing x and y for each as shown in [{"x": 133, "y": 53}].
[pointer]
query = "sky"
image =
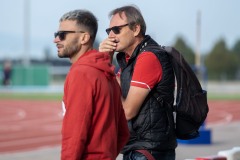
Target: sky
[{"x": 166, "y": 20}]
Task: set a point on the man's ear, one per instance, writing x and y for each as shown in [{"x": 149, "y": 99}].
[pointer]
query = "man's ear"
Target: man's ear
[
  {"x": 137, "y": 29},
  {"x": 85, "y": 38}
]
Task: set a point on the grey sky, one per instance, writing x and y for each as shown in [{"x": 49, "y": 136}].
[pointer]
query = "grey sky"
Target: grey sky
[{"x": 165, "y": 21}]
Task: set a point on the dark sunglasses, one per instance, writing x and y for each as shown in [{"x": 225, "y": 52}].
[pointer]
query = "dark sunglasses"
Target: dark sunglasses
[
  {"x": 62, "y": 34},
  {"x": 115, "y": 29}
]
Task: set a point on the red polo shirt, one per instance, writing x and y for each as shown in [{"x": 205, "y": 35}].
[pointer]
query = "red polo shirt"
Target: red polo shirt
[{"x": 147, "y": 71}]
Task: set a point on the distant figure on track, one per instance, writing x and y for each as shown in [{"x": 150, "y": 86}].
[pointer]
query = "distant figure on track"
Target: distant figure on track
[{"x": 7, "y": 72}]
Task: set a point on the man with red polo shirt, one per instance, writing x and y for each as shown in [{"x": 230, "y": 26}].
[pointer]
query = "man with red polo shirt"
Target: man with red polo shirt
[{"x": 144, "y": 72}]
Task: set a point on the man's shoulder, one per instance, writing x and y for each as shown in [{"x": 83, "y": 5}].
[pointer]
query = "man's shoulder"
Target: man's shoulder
[
  {"x": 83, "y": 71},
  {"x": 147, "y": 55},
  {"x": 154, "y": 48}
]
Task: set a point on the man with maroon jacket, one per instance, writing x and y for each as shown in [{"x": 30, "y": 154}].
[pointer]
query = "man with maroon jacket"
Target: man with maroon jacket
[{"x": 94, "y": 125}]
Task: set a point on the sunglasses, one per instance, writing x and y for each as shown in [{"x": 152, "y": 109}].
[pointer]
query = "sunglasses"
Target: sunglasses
[
  {"x": 62, "y": 34},
  {"x": 115, "y": 29}
]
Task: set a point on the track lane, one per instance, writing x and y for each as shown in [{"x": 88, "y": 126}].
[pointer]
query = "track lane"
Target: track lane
[{"x": 31, "y": 124}]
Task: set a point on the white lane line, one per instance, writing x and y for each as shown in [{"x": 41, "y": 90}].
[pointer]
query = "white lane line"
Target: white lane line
[
  {"x": 29, "y": 141},
  {"x": 225, "y": 117},
  {"x": 13, "y": 114}
]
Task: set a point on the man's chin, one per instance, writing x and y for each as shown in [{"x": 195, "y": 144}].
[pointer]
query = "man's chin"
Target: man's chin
[{"x": 62, "y": 56}]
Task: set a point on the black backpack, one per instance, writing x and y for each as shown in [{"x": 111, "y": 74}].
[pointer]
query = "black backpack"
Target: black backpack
[
  {"x": 191, "y": 101},
  {"x": 191, "y": 106}
]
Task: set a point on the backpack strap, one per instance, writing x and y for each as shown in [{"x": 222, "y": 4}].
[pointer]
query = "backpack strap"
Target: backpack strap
[
  {"x": 156, "y": 95},
  {"x": 146, "y": 154}
]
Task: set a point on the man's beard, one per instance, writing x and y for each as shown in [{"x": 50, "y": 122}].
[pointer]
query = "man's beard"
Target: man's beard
[{"x": 70, "y": 50}]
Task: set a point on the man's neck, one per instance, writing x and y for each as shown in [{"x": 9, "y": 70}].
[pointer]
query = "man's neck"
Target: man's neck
[
  {"x": 133, "y": 47},
  {"x": 80, "y": 53}
]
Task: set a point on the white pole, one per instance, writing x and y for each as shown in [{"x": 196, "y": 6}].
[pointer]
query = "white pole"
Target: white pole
[
  {"x": 26, "y": 57},
  {"x": 198, "y": 37}
]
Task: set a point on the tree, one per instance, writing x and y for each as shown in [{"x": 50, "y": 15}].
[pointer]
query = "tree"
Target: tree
[
  {"x": 185, "y": 50},
  {"x": 47, "y": 53},
  {"x": 220, "y": 62},
  {"x": 236, "y": 50}
]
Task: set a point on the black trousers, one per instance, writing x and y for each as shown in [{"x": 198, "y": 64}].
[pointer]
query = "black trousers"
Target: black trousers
[{"x": 164, "y": 155}]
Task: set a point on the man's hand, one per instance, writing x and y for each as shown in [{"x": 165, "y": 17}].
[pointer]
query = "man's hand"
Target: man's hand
[{"x": 108, "y": 45}]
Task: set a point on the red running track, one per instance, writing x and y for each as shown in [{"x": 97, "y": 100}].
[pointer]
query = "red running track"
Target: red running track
[
  {"x": 32, "y": 124},
  {"x": 28, "y": 125}
]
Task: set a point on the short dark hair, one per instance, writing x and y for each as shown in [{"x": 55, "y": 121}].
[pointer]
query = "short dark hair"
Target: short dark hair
[
  {"x": 84, "y": 18},
  {"x": 133, "y": 15}
]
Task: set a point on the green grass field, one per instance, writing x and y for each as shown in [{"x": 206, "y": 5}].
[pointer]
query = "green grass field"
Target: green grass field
[
  {"x": 224, "y": 96},
  {"x": 31, "y": 96},
  {"x": 58, "y": 96}
]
